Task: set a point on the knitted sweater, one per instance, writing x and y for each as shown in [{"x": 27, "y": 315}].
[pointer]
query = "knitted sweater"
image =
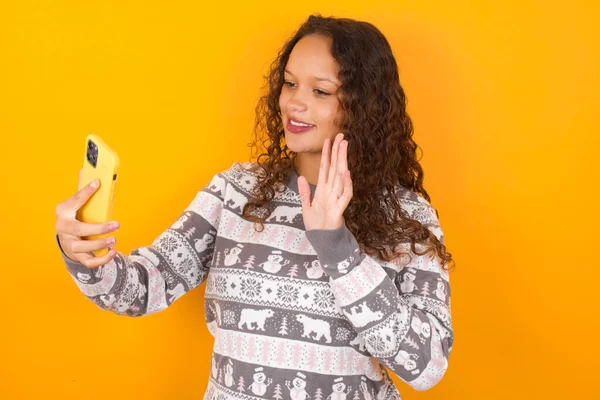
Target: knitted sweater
[{"x": 295, "y": 314}]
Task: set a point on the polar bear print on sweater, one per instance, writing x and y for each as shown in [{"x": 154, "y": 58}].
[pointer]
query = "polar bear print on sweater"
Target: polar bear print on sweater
[
  {"x": 285, "y": 214},
  {"x": 176, "y": 292},
  {"x": 216, "y": 184},
  {"x": 320, "y": 327},
  {"x": 364, "y": 316},
  {"x": 250, "y": 316},
  {"x": 236, "y": 200},
  {"x": 358, "y": 340}
]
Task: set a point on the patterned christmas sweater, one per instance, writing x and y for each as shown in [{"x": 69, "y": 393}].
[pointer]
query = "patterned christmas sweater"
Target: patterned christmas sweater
[{"x": 295, "y": 314}]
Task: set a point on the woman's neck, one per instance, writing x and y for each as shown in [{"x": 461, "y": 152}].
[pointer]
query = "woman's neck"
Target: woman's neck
[{"x": 307, "y": 165}]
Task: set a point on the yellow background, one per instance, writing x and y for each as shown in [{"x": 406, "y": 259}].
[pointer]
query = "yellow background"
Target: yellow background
[{"x": 504, "y": 98}]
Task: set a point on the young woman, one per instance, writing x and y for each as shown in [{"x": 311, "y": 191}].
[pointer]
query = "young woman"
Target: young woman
[{"x": 324, "y": 259}]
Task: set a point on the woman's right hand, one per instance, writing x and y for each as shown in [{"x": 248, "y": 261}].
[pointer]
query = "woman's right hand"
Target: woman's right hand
[{"x": 70, "y": 231}]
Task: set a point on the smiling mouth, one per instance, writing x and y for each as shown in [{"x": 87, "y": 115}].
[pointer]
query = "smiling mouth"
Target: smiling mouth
[
  {"x": 299, "y": 123},
  {"x": 295, "y": 126}
]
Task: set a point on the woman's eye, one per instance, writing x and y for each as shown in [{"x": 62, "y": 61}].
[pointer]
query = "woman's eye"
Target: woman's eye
[
  {"x": 321, "y": 93},
  {"x": 288, "y": 83}
]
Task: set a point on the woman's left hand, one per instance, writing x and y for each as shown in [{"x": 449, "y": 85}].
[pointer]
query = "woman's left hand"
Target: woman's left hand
[{"x": 334, "y": 188}]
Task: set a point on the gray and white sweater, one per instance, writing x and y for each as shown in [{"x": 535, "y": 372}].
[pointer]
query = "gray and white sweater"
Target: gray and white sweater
[{"x": 295, "y": 314}]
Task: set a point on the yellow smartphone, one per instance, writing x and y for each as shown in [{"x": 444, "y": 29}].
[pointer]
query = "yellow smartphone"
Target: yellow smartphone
[{"x": 99, "y": 162}]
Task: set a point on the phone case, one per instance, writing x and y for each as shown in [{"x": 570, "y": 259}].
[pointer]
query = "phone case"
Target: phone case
[{"x": 99, "y": 208}]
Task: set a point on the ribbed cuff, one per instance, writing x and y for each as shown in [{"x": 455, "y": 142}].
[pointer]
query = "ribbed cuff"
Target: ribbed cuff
[
  {"x": 73, "y": 266},
  {"x": 337, "y": 249}
]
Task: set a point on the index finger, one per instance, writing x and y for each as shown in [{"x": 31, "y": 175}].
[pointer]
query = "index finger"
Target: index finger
[
  {"x": 83, "y": 195},
  {"x": 324, "y": 162},
  {"x": 333, "y": 165}
]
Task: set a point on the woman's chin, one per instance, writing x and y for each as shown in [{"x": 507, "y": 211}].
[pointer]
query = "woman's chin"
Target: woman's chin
[
  {"x": 296, "y": 146},
  {"x": 296, "y": 143}
]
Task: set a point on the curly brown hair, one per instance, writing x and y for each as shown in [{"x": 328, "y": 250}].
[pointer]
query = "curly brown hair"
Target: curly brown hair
[{"x": 381, "y": 150}]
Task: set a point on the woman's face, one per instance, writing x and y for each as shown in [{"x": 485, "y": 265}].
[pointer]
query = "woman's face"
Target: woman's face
[{"x": 308, "y": 100}]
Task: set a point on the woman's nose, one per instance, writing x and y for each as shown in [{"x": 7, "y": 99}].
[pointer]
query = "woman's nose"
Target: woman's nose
[{"x": 297, "y": 103}]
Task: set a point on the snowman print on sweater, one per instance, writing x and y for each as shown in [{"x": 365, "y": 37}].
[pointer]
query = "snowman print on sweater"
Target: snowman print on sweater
[
  {"x": 338, "y": 390},
  {"x": 229, "y": 373},
  {"x": 440, "y": 291},
  {"x": 298, "y": 388},
  {"x": 315, "y": 271},
  {"x": 408, "y": 284},
  {"x": 259, "y": 387},
  {"x": 181, "y": 221},
  {"x": 368, "y": 395},
  {"x": 422, "y": 329},
  {"x": 202, "y": 244},
  {"x": 214, "y": 368},
  {"x": 406, "y": 360},
  {"x": 274, "y": 262},
  {"x": 232, "y": 255},
  {"x": 342, "y": 266}
]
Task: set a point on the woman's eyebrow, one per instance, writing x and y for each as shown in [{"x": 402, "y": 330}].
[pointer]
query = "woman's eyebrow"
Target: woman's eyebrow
[{"x": 316, "y": 77}]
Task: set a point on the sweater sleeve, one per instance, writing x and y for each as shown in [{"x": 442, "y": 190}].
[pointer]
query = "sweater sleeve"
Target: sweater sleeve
[
  {"x": 151, "y": 278},
  {"x": 403, "y": 316}
]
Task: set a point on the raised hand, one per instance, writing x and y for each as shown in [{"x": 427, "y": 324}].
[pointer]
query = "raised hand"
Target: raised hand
[
  {"x": 334, "y": 188},
  {"x": 71, "y": 231}
]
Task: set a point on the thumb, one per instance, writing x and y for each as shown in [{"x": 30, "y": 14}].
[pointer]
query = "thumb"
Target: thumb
[{"x": 305, "y": 194}]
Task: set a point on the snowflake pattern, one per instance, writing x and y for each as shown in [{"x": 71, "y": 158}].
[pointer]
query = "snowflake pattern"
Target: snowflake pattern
[
  {"x": 376, "y": 342},
  {"x": 287, "y": 293},
  {"x": 168, "y": 244},
  {"x": 230, "y": 290},
  {"x": 251, "y": 287},
  {"x": 342, "y": 334},
  {"x": 187, "y": 265},
  {"x": 221, "y": 284},
  {"x": 229, "y": 317},
  {"x": 420, "y": 214},
  {"x": 324, "y": 298}
]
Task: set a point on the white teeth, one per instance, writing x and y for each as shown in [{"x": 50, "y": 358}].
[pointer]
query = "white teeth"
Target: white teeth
[{"x": 298, "y": 123}]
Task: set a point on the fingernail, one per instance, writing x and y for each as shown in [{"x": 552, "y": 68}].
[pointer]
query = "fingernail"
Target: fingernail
[
  {"x": 113, "y": 225},
  {"x": 111, "y": 241},
  {"x": 94, "y": 183}
]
